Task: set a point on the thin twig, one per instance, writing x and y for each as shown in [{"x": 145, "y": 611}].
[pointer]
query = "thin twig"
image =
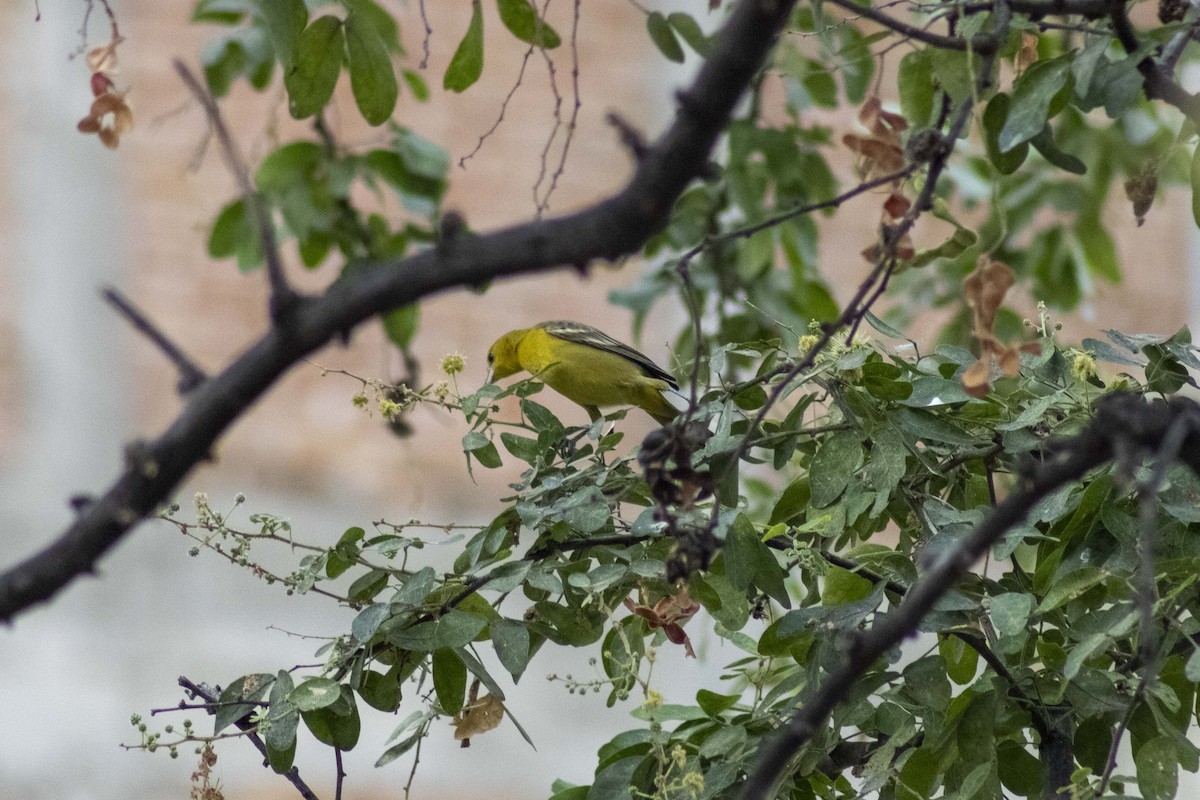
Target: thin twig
[
  {"x": 791, "y": 213},
  {"x": 341, "y": 773},
  {"x": 462, "y": 162},
  {"x": 293, "y": 774},
  {"x": 572, "y": 121},
  {"x": 983, "y": 44},
  {"x": 428, "y": 35},
  {"x": 1110, "y": 763},
  {"x": 190, "y": 375},
  {"x": 283, "y": 297}
]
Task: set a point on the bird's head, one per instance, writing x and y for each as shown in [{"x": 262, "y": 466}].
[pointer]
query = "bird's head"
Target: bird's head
[{"x": 502, "y": 356}]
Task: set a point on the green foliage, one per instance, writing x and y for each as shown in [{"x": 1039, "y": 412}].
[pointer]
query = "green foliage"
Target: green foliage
[
  {"x": 799, "y": 500},
  {"x": 887, "y": 479},
  {"x": 467, "y": 63}
]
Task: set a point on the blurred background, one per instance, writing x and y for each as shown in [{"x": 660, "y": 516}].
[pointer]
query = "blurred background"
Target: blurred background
[{"x": 76, "y": 385}]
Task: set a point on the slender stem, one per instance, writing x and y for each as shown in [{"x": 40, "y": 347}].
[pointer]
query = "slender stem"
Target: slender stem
[{"x": 190, "y": 375}]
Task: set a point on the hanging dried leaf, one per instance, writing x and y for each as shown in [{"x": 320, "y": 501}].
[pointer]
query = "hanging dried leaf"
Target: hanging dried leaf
[
  {"x": 669, "y": 613},
  {"x": 1028, "y": 53},
  {"x": 1141, "y": 188},
  {"x": 478, "y": 717},
  {"x": 983, "y": 291}
]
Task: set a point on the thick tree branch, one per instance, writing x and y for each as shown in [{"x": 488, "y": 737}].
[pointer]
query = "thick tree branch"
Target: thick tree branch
[
  {"x": 1119, "y": 419},
  {"x": 612, "y": 228}
]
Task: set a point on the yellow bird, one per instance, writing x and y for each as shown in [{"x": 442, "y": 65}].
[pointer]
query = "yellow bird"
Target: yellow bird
[{"x": 585, "y": 366}]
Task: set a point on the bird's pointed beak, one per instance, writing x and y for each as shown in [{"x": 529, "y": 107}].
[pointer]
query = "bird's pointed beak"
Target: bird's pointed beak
[{"x": 491, "y": 378}]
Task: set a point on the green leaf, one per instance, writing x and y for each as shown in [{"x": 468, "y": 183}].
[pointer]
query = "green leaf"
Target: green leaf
[
  {"x": 250, "y": 688},
  {"x": 221, "y": 12},
  {"x": 916, "y": 86},
  {"x": 1044, "y": 143},
  {"x": 511, "y": 641},
  {"x": 882, "y": 380},
  {"x": 318, "y": 61},
  {"x": 315, "y": 693},
  {"x": 837, "y": 617},
  {"x": 961, "y": 659},
  {"x": 615, "y": 780},
  {"x": 668, "y": 712},
  {"x": 1082, "y": 651},
  {"x": 522, "y": 20},
  {"x": 449, "y": 680},
  {"x": 748, "y": 561},
  {"x": 380, "y": 691},
  {"x": 1032, "y": 93},
  {"x": 858, "y": 64},
  {"x": 1157, "y": 769},
  {"x": 1099, "y": 252},
  {"x": 368, "y": 621},
  {"x": 279, "y": 734},
  {"x": 381, "y": 19},
  {"x": 1106, "y": 352},
  {"x": 509, "y": 576},
  {"x": 1010, "y": 612},
  {"x": 366, "y": 586},
  {"x": 1164, "y": 373},
  {"x": 479, "y": 671},
  {"x": 234, "y": 234},
  {"x": 422, "y": 158},
  {"x": 482, "y": 448},
  {"x": 954, "y": 71},
  {"x": 454, "y": 630},
  {"x": 281, "y": 760},
  {"x": 586, "y": 510},
  {"x": 926, "y": 682},
  {"x": 1020, "y": 771},
  {"x": 395, "y": 751},
  {"x": 372, "y": 77},
  {"x": 284, "y": 21},
  {"x": 337, "y": 725},
  {"x": 466, "y": 65},
  {"x": 793, "y": 501},
  {"x": 843, "y": 587},
  {"x": 663, "y": 37},
  {"x": 716, "y": 704},
  {"x": 1086, "y": 61},
  {"x": 416, "y": 84},
  {"x": 886, "y": 465},
  {"x": 1195, "y": 181},
  {"x": 917, "y": 776},
  {"x": 401, "y": 325},
  {"x": 924, "y": 425},
  {"x": 689, "y": 30},
  {"x": 833, "y": 467},
  {"x": 1069, "y": 586}
]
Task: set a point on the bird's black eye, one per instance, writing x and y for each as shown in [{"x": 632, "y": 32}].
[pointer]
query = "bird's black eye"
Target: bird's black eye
[{"x": 491, "y": 358}]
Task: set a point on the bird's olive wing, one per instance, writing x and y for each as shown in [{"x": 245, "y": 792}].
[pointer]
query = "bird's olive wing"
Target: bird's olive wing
[{"x": 579, "y": 333}]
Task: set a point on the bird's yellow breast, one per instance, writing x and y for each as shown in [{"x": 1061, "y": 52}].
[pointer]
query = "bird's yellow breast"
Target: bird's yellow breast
[{"x": 587, "y": 375}]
